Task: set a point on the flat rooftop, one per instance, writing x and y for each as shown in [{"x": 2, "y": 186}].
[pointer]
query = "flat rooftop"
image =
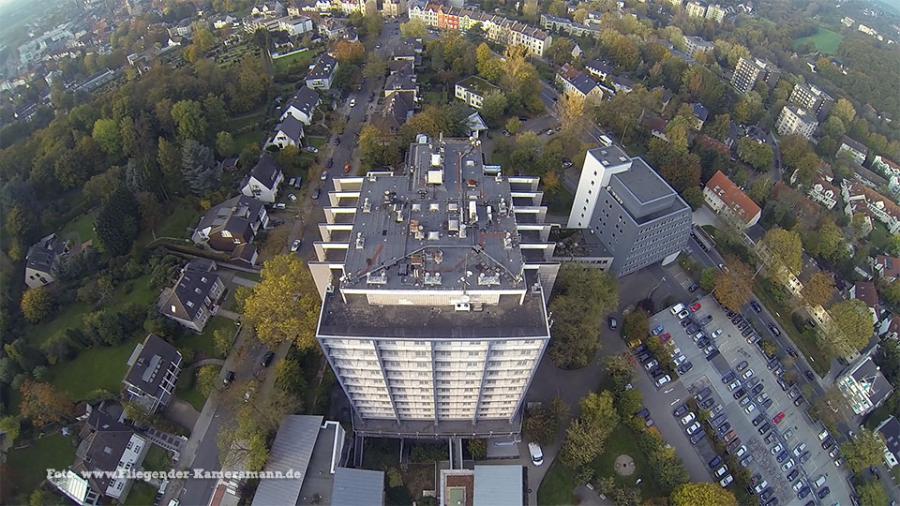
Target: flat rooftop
[
  {"x": 429, "y": 429},
  {"x": 644, "y": 183},
  {"x": 610, "y": 156},
  {"x": 446, "y": 224}
]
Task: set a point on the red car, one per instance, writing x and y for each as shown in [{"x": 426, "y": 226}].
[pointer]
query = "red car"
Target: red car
[
  {"x": 695, "y": 307},
  {"x": 778, "y": 418},
  {"x": 665, "y": 337}
]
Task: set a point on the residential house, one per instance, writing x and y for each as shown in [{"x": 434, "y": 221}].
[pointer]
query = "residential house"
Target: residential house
[
  {"x": 332, "y": 28},
  {"x": 656, "y": 125},
  {"x": 576, "y": 84},
  {"x": 890, "y": 170},
  {"x": 401, "y": 82},
  {"x": 43, "y": 261},
  {"x": 475, "y": 124},
  {"x": 866, "y": 292},
  {"x": 622, "y": 84},
  {"x": 696, "y": 45},
  {"x": 302, "y": 106},
  {"x": 232, "y": 226},
  {"x": 700, "y": 113},
  {"x": 289, "y": 132},
  {"x": 811, "y": 98},
  {"x": 890, "y": 432},
  {"x": 858, "y": 198},
  {"x": 887, "y": 267},
  {"x": 295, "y": 25},
  {"x": 153, "y": 370},
  {"x": 108, "y": 449},
  {"x": 183, "y": 28},
  {"x": 195, "y": 296},
  {"x": 724, "y": 197},
  {"x": 263, "y": 180},
  {"x": 269, "y": 9},
  {"x": 568, "y": 26},
  {"x": 229, "y": 164},
  {"x": 750, "y": 70},
  {"x": 409, "y": 50},
  {"x": 599, "y": 69},
  {"x": 823, "y": 192},
  {"x": 321, "y": 75},
  {"x": 393, "y": 8},
  {"x": 281, "y": 42},
  {"x": 715, "y": 12},
  {"x": 397, "y": 110},
  {"x": 473, "y": 89},
  {"x": 793, "y": 120},
  {"x": 863, "y": 385},
  {"x": 856, "y": 150}
]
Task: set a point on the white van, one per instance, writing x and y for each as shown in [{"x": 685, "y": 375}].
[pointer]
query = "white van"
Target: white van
[
  {"x": 677, "y": 308},
  {"x": 537, "y": 456}
]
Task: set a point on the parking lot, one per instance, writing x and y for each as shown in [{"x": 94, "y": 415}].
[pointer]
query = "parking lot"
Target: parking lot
[{"x": 729, "y": 351}]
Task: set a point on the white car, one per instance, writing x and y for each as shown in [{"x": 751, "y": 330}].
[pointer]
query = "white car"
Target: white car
[
  {"x": 292, "y": 197},
  {"x": 823, "y": 435},
  {"x": 537, "y": 456},
  {"x": 651, "y": 364},
  {"x": 352, "y": 102},
  {"x": 295, "y": 246},
  {"x": 693, "y": 428},
  {"x": 749, "y": 409},
  {"x": 726, "y": 481},
  {"x": 797, "y": 486},
  {"x": 820, "y": 481},
  {"x": 733, "y": 385},
  {"x": 663, "y": 380},
  {"x": 777, "y": 449},
  {"x": 787, "y": 466},
  {"x": 675, "y": 352},
  {"x": 680, "y": 359},
  {"x": 722, "y": 471},
  {"x": 324, "y": 176},
  {"x": 717, "y": 333},
  {"x": 761, "y": 486},
  {"x": 690, "y": 417},
  {"x": 741, "y": 451},
  {"x": 799, "y": 449},
  {"x": 683, "y": 314},
  {"x": 677, "y": 308},
  {"x": 311, "y": 149},
  {"x": 747, "y": 374}
]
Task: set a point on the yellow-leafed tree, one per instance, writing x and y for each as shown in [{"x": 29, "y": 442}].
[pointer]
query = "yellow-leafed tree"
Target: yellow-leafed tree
[{"x": 708, "y": 494}]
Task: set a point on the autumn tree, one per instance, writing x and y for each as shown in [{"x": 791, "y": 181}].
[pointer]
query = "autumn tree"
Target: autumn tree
[
  {"x": 819, "y": 289},
  {"x": 583, "y": 444},
  {"x": 225, "y": 145},
  {"x": 349, "y": 52},
  {"x": 208, "y": 378},
  {"x": 843, "y": 109},
  {"x": 489, "y": 66},
  {"x": 872, "y": 493},
  {"x": 733, "y": 286},
  {"x": 413, "y": 29},
  {"x": 759, "y": 155},
  {"x": 285, "y": 305},
  {"x": 494, "y": 107},
  {"x": 188, "y": 115},
  {"x": 11, "y": 426},
  {"x": 853, "y": 326},
  {"x": 784, "y": 248},
  {"x": 581, "y": 297},
  {"x": 636, "y": 325},
  {"x": 708, "y": 494},
  {"x": 44, "y": 404},
  {"x": 378, "y": 148},
  {"x": 108, "y": 136},
  {"x": 543, "y": 422},
  {"x": 864, "y": 451},
  {"x": 37, "y": 304}
]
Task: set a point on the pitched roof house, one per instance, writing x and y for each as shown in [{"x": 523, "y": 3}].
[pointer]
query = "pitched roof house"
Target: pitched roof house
[
  {"x": 887, "y": 267},
  {"x": 723, "y": 196},
  {"x": 864, "y": 387},
  {"x": 577, "y": 83},
  {"x": 153, "y": 370},
  {"x": 264, "y": 179},
  {"x": 397, "y": 110},
  {"x": 231, "y": 227},
  {"x": 289, "y": 132},
  {"x": 195, "y": 296},
  {"x": 321, "y": 75},
  {"x": 866, "y": 292},
  {"x": 857, "y": 150},
  {"x": 302, "y": 106},
  {"x": 401, "y": 82},
  {"x": 890, "y": 431},
  {"x": 43, "y": 260}
]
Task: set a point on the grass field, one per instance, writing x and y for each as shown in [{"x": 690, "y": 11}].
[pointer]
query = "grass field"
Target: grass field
[
  {"x": 141, "y": 494},
  {"x": 623, "y": 442},
  {"x": 157, "y": 459},
  {"x": 187, "y": 389},
  {"x": 558, "y": 486},
  {"x": 95, "y": 368},
  {"x": 81, "y": 229},
  {"x": 202, "y": 344},
  {"x": 824, "y": 40},
  {"x": 294, "y": 63},
  {"x": 28, "y": 467}
]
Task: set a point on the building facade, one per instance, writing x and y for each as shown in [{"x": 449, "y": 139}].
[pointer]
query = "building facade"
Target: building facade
[
  {"x": 634, "y": 213},
  {"x": 434, "y": 285},
  {"x": 473, "y": 89},
  {"x": 153, "y": 370},
  {"x": 811, "y": 98},
  {"x": 749, "y": 70},
  {"x": 724, "y": 197},
  {"x": 793, "y": 120},
  {"x": 864, "y": 387},
  {"x": 495, "y": 28}
]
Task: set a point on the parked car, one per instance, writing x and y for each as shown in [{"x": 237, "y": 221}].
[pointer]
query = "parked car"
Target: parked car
[
  {"x": 228, "y": 378},
  {"x": 775, "y": 330},
  {"x": 663, "y": 380},
  {"x": 683, "y": 314},
  {"x": 267, "y": 359},
  {"x": 747, "y": 374},
  {"x": 694, "y": 427},
  {"x": 778, "y": 418},
  {"x": 311, "y": 149},
  {"x": 799, "y": 449},
  {"x": 316, "y": 193},
  {"x": 690, "y": 417},
  {"x": 755, "y": 305},
  {"x": 537, "y": 456},
  {"x": 724, "y": 482},
  {"x": 680, "y": 411},
  {"x": 324, "y": 176},
  {"x": 295, "y": 246},
  {"x": 612, "y": 322},
  {"x": 716, "y": 461},
  {"x": 695, "y": 307},
  {"x": 741, "y": 366}
]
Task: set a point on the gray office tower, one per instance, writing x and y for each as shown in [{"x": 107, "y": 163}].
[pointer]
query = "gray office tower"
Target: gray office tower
[
  {"x": 633, "y": 212},
  {"x": 434, "y": 280}
]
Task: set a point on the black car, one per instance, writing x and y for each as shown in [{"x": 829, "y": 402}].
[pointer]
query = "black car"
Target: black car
[
  {"x": 793, "y": 475},
  {"x": 713, "y": 354},
  {"x": 782, "y": 456},
  {"x": 728, "y": 378},
  {"x": 680, "y": 411},
  {"x": 757, "y": 389},
  {"x": 703, "y": 342},
  {"x": 697, "y": 437},
  {"x": 685, "y": 322},
  {"x": 755, "y": 305},
  {"x": 330, "y": 162},
  {"x": 804, "y": 492},
  {"x": 783, "y": 384},
  {"x": 823, "y": 493},
  {"x": 772, "y": 364},
  {"x": 809, "y": 375},
  {"x": 758, "y": 420},
  {"x": 228, "y": 378},
  {"x": 774, "y": 329},
  {"x": 693, "y": 329},
  {"x": 706, "y": 319},
  {"x": 685, "y": 367},
  {"x": 799, "y": 401},
  {"x": 267, "y": 359},
  {"x": 640, "y": 349},
  {"x": 791, "y": 351},
  {"x": 740, "y": 392},
  {"x": 715, "y": 462},
  {"x": 827, "y": 443},
  {"x": 644, "y": 413},
  {"x": 764, "y": 428},
  {"x": 767, "y": 404},
  {"x": 720, "y": 419},
  {"x": 708, "y": 403},
  {"x": 702, "y": 394},
  {"x": 725, "y": 427},
  {"x": 693, "y": 288}
]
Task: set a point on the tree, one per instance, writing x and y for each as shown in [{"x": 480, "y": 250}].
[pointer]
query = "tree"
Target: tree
[
  {"x": 225, "y": 145},
  {"x": 758, "y": 155},
  {"x": 489, "y": 66},
  {"x": 583, "y": 444},
  {"x": 872, "y": 493},
  {"x": 710, "y": 494},
  {"x": 853, "y": 324},
  {"x": 843, "y": 110},
  {"x": 582, "y": 296},
  {"x": 37, "y": 304},
  {"x": 377, "y": 147},
  {"x": 749, "y": 108},
  {"x": 44, "y": 404},
  {"x": 222, "y": 341},
  {"x": 188, "y": 115},
  {"x": 414, "y": 29},
  {"x": 785, "y": 249},
  {"x": 760, "y": 190},
  {"x": 478, "y": 449},
  {"x": 636, "y": 325},
  {"x": 12, "y": 427},
  {"x": 558, "y": 8},
  {"x": 864, "y": 451},
  {"x": 349, "y": 52},
  {"x": 285, "y": 305},
  {"x": 108, "y": 136},
  {"x": 734, "y": 285},
  {"x": 513, "y": 125},
  {"x": 169, "y": 158},
  {"x": 118, "y": 223},
  {"x": 599, "y": 411},
  {"x": 494, "y": 107},
  {"x": 199, "y": 168},
  {"x": 819, "y": 289},
  {"x": 208, "y": 378},
  {"x": 542, "y": 423},
  {"x": 708, "y": 279}
]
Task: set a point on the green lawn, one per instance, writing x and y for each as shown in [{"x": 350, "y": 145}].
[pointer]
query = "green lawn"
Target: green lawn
[
  {"x": 202, "y": 344},
  {"x": 187, "y": 390},
  {"x": 182, "y": 217},
  {"x": 157, "y": 459},
  {"x": 294, "y": 63},
  {"x": 252, "y": 137},
  {"x": 824, "y": 40},
  {"x": 141, "y": 494},
  {"x": 28, "y": 467},
  {"x": 623, "y": 442},
  {"x": 80, "y": 229},
  {"x": 95, "y": 368},
  {"x": 557, "y": 487}
]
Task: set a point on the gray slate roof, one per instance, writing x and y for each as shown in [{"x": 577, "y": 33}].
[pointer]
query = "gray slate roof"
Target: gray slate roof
[
  {"x": 192, "y": 287},
  {"x": 266, "y": 170},
  {"x": 324, "y": 67},
  {"x": 291, "y": 450},
  {"x": 233, "y": 215},
  {"x": 877, "y": 387},
  {"x": 150, "y": 366},
  {"x": 498, "y": 485},
  {"x": 305, "y": 100},
  {"x": 42, "y": 254},
  {"x": 291, "y": 127},
  {"x": 355, "y": 487}
]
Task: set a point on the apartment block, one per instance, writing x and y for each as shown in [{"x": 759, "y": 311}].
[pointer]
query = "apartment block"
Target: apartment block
[
  {"x": 812, "y": 99},
  {"x": 434, "y": 281},
  {"x": 697, "y": 45},
  {"x": 793, "y": 120},
  {"x": 633, "y": 212},
  {"x": 749, "y": 70}
]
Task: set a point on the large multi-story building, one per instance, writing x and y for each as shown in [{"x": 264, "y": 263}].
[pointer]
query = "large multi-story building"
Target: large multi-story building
[
  {"x": 793, "y": 120},
  {"x": 634, "y": 213},
  {"x": 749, "y": 70},
  {"x": 695, "y": 9},
  {"x": 812, "y": 99},
  {"x": 434, "y": 283},
  {"x": 696, "y": 45},
  {"x": 716, "y": 12}
]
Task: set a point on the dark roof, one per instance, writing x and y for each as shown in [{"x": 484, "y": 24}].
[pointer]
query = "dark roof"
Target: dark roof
[
  {"x": 193, "y": 286},
  {"x": 353, "y": 487},
  {"x": 154, "y": 357},
  {"x": 700, "y": 112},
  {"x": 266, "y": 170},
  {"x": 866, "y": 292},
  {"x": 478, "y": 85},
  {"x": 622, "y": 81},
  {"x": 877, "y": 387},
  {"x": 890, "y": 429},
  {"x": 291, "y": 127},
  {"x": 599, "y": 66},
  {"x": 104, "y": 440},
  {"x": 404, "y": 66},
  {"x": 305, "y": 101},
  {"x": 42, "y": 254},
  {"x": 324, "y": 67},
  {"x": 400, "y": 81},
  {"x": 397, "y": 109},
  {"x": 856, "y": 145},
  {"x": 233, "y": 215}
]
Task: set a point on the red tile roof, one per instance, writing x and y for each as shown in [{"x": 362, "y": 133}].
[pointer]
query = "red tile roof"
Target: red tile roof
[
  {"x": 865, "y": 291},
  {"x": 735, "y": 199}
]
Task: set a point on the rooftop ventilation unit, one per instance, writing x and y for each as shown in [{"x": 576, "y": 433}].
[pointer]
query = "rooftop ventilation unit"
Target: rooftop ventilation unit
[
  {"x": 462, "y": 306},
  {"x": 507, "y": 241},
  {"x": 432, "y": 279},
  {"x": 434, "y": 207},
  {"x": 436, "y": 176},
  {"x": 605, "y": 163},
  {"x": 367, "y": 206},
  {"x": 434, "y": 235},
  {"x": 436, "y": 160},
  {"x": 360, "y": 241},
  {"x": 422, "y": 139},
  {"x": 377, "y": 278},
  {"x": 453, "y": 225},
  {"x": 416, "y": 207},
  {"x": 488, "y": 279}
]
